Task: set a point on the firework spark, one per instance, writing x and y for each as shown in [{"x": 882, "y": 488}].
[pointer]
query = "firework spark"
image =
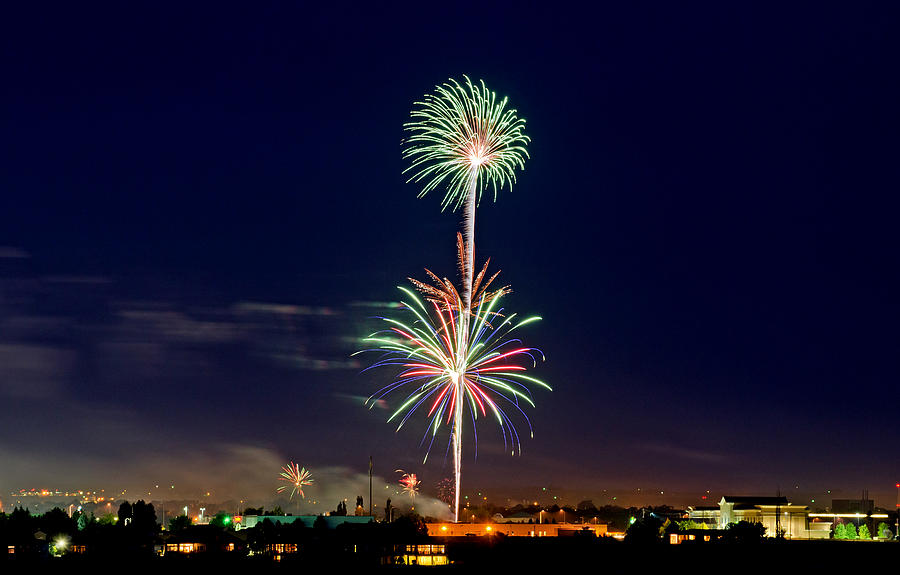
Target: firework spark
[
  {"x": 451, "y": 362},
  {"x": 442, "y": 291},
  {"x": 451, "y": 357},
  {"x": 296, "y": 477},
  {"x": 445, "y": 490},
  {"x": 464, "y": 139},
  {"x": 410, "y": 483}
]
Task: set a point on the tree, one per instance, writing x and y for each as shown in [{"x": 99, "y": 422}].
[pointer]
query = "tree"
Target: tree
[
  {"x": 57, "y": 522},
  {"x": 410, "y": 526},
  {"x": 744, "y": 532},
  {"x": 222, "y": 520},
  {"x": 83, "y": 520},
  {"x": 645, "y": 531},
  {"x": 262, "y": 534},
  {"x": 179, "y": 523},
  {"x": 20, "y": 528},
  {"x": 107, "y": 519},
  {"x": 143, "y": 517},
  {"x": 320, "y": 524},
  {"x": 125, "y": 513},
  {"x": 845, "y": 531},
  {"x": 864, "y": 532},
  {"x": 884, "y": 532}
]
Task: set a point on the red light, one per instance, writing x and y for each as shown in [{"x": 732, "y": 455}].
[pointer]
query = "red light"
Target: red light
[{"x": 703, "y": 497}]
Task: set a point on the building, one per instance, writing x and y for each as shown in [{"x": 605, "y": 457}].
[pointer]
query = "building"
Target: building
[
  {"x": 202, "y": 539},
  {"x": 516, "y": 529},
  {"x": 697, "y": 536},
  {"x": 855, "y": 511},
  {"x": 419, "y": 555},
  {"x": 776, "y": 514}
]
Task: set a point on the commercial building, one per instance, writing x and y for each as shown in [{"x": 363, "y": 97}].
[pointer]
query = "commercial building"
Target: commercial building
[
  {"x": 516, "y": 529},
  {"x": 776, "y": 514}
]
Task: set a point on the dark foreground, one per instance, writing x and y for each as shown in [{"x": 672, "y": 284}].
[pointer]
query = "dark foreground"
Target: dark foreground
[{"x": 531, "y": 554}]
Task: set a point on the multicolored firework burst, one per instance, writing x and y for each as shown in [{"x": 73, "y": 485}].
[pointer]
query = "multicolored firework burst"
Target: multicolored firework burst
[
  {"x": 410, "y": 483},
  {"x": 466, "y": 140},
  {"x": 451, "y": 361},
  {"x": 297, "y": 477}
]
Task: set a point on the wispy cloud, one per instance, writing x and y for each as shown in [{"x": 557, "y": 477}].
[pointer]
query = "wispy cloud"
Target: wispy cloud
[
  {"x": 33, "y": 371},
  {"x": 683, "y": 452},
  {"x": 13, "y": 253}
]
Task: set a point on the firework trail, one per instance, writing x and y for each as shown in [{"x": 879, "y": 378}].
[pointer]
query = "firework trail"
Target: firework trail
[{"x": 464, "y": 139}]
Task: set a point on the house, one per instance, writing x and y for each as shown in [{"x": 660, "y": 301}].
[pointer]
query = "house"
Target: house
[
  {"x": 202, "y": 539},
  {"x": 697, "y": 536},
  {"x": 420, "y": 555}
]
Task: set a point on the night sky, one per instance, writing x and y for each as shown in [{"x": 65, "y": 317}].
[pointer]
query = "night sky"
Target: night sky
[{"x": 203, "y": 208}]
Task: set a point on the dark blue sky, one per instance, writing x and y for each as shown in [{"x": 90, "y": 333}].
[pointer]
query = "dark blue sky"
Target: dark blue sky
[{"x": 201, "y": 203}]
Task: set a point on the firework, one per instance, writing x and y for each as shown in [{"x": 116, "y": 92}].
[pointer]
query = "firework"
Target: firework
[
  {"x": 442, "y": 291},
  {"x": 410, "y": 483},
  {"x": 464, "y": 139},
  {"x": 296, "y": 477},
  {"x": 450, "y": 362},
  {"x": 445, "y": 490},
  {"x": 451, "y": 357}
]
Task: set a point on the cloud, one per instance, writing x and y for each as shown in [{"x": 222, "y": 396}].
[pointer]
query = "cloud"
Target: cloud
[
  {"x": 683, "y": 452},
  {"x": 13, "y": 253},
  {"x": 264, "y": 308},
  {"x": 89, "y": 280},
  {"x": 177, "y": 327},
  {"x": 33, "y": 371}
]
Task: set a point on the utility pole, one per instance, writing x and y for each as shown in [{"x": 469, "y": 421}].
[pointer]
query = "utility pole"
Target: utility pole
[
  {"x": 778, "y": 512},
  {"x": 371, "y": 468},
  {"x": 897, "y": 510}
]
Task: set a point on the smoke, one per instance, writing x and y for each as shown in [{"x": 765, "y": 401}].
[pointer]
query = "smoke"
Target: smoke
[
  {"x": 250, "y": 474},
  {"x": 335, "y": 484}
]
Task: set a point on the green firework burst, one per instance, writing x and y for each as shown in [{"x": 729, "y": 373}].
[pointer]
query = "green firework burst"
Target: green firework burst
[{"x": 466, "y": 140}]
